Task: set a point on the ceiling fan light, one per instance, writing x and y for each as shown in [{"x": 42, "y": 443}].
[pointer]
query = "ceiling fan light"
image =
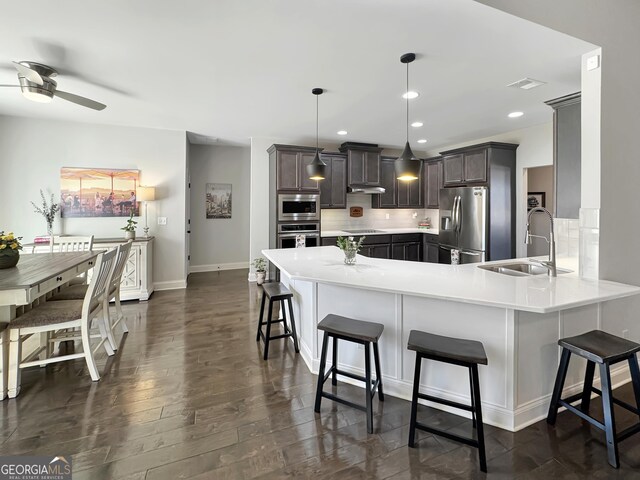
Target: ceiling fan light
[
  {"x": 407, "y": 166},
  {"x": 317, "y": 168},
  {"x": 36, "y": 96}
]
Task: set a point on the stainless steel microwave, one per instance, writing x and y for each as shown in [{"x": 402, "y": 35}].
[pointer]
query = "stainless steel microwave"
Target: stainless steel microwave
[{"x": 298, "y": 207}]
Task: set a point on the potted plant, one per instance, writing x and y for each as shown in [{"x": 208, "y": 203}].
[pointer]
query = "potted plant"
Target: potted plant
[
  {"x": 350, "y": 247},
  {"x": 9, "y": 250},
  {"x": 130, "y": 228},
  {"x": 260, "y": 264},
  {"x": 48, "y": 211}
]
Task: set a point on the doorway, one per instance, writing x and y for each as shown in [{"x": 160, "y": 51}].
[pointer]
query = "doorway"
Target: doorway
[{"x": 540, "y": 192}]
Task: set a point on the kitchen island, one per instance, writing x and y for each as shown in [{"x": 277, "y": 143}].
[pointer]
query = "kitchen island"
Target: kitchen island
[{"x": 518, "y": 319}]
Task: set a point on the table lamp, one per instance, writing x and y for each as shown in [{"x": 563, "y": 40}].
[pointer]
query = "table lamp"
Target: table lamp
[{"x": 146, "y": 195}]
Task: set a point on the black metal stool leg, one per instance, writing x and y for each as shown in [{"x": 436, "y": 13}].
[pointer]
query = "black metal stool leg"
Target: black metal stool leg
[
  {"x": 414, "y": 401},
  {"x": 293, "y": 326},
  {"x": 479, "y": 426},
  {"x": 588, "y": 385},
  {"x": 557, "y": 389},
  {"x": 323, "y": 364},
  {"x": 473, "y": 403},
  {"x": 264, "y": 299},
  {"x": 367, "y": 376},
  {"x": 334, "y": 361},
  {"x": 635, "y": 379},
  {"x": 283, "y": 312},
  {"x": 376, "y": 358},
  {"x": 609, "y": 418},
  {"x": 267, "y": 337}
]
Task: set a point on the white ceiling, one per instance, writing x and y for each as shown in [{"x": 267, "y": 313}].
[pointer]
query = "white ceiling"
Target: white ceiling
[{"x": 233, "y": 69}]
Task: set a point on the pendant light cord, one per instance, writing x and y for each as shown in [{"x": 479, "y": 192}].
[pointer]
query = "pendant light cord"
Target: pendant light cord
[
  {"x": 407, "y": 94},
  {"x": 317, "y": 117}
]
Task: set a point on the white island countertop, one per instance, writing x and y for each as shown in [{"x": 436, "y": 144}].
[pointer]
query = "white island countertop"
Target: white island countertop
[{"x": 458, "y": 283}]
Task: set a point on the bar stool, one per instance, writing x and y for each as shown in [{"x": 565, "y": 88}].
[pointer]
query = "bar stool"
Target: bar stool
[
  {"x": 276, "y": 292},
  {"x": 604, "y": 349},
  {"x": 465, "y": 353},
  {"x": 356, "y": 331}
]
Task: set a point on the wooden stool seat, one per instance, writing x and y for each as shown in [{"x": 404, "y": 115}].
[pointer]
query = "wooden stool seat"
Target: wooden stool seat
[
  {"x": 600, "y": 347},
  {"x": 348, "y": 327},
  {"x": 276, "y": 292},
  {"x": 428, "y": 344},
  {"x": 356, "y": 331},
  {"x": 455, "y": 351},
  {"x": 604, "y": 349}
]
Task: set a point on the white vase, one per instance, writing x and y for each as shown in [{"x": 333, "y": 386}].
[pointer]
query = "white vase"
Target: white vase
[
  {"x": 130, "y": 235},
  {"x": 260, "y": 276}
]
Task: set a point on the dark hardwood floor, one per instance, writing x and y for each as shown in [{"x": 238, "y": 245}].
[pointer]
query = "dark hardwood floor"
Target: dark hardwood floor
[{"x": 188, "y": 396}]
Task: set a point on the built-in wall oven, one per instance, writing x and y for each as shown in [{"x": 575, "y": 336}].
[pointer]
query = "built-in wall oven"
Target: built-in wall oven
[
  {"x": 288, "y": 233},
  {"x": 298, "y": 207}
]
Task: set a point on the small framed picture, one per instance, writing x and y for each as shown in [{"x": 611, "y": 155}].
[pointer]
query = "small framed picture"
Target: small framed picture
[{"x": 535, "y": 199}]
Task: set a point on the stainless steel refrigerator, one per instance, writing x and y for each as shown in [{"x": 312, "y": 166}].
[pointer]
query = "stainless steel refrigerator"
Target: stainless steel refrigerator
[{"x": 464, "y": 224}]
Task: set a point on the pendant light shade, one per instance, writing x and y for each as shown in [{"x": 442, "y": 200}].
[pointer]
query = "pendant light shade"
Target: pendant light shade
[
  {"x": 407, "y": 165},
  {"x": 316, "y": 169}
]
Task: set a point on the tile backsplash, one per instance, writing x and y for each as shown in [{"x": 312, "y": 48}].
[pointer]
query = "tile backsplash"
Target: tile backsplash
[{"x": 339, "y": 219}]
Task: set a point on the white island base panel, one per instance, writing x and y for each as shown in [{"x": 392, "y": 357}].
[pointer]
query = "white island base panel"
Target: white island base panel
[{"x": 521, "y": 347}]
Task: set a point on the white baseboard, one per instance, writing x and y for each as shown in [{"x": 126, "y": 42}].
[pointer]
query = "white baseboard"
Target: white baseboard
[
  {"x": 173, "y": 285},
  {"x": 218, "y": 267},
  {"x": 252, "y": 277}
]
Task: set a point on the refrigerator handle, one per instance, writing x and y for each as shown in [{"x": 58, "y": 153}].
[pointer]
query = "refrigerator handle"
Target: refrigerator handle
[
  {"x": 457, "y": 213},
  {"x": 453, "y": 213}
]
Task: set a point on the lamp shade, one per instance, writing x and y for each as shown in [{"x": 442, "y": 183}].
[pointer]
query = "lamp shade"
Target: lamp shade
[
  {"x": 317, "y": 168},
  {"x": 407, "y": 165},
  {"x": 146, "y": 194}
]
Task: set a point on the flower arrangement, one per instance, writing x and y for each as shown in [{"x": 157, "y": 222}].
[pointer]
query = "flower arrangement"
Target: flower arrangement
[
  {"x": 350, "y": 247},
  {"x": 131, "y": 224},
  {"x": 9, "y": 244},
  {"x": 48, "y": 211}
]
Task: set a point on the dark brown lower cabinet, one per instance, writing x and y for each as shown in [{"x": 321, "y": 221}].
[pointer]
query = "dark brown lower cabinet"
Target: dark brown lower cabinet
[
  {"x": 409, "y": 251},
  {"x": 376, "y": 251},
  {"x": 398, "y": 247}
]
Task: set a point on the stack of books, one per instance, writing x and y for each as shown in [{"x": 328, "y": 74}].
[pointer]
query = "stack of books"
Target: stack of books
[{"x": 40, "y": 239}]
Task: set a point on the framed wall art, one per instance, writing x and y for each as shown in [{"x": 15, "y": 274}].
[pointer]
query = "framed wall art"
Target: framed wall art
[{"x": 218, "y": 200}]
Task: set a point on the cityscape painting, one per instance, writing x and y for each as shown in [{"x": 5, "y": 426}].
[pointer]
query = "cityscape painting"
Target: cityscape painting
[
  {"x": 98, "y": 192},
  {"x": 218, "y": 200}
]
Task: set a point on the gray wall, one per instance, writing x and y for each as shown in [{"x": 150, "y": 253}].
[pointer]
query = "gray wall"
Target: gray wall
[
  {"x": 614, "y": 27},
  {"x": 32, "y": 151},
  {"x": 218, "y": 244}
]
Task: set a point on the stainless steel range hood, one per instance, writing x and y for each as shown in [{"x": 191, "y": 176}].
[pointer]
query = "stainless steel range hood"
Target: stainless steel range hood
[{"x": 355, "y": 188}]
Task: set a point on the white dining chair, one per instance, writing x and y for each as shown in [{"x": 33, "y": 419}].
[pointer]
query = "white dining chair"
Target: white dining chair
[
  {"x": 71, "y": 243},
  {"x": 4, "y": 359},
  {"x": 55, "y": 319},
  {"x": 77, "y": 292}
]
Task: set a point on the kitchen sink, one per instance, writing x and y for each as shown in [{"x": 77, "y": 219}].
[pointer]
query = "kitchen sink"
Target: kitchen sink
[{"x": 520, "y": 269}]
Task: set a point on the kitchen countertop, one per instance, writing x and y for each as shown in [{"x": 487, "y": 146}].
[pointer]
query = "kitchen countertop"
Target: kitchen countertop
[
  {"x": 459, "y": 283},
  {"x": 381, "y": 231}
]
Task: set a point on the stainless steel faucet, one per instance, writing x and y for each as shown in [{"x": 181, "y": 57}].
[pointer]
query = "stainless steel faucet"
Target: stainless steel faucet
[{"x": 551, "y": 264}]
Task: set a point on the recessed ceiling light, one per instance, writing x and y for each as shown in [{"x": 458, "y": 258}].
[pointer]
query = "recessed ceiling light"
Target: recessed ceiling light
[
  {"x": 422, "y": 140},
  {"x": 416, "y": 124},
  {"x": 342, "y": 132},
  {"x": 515, "y": 114},
  {"x": 410, "y": 94}
]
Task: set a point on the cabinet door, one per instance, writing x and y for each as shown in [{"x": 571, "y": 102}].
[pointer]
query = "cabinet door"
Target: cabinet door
[
  {"x": 397, "y": 251},
  {"x": 328, "y": 241},
  {"x": 379, "y": 251},
  {"x": 372, "y": 168},
  {"x": 338, "y": 182},
  {"x": 304, "y": 182},
  {"x": 326, "y": 188},
  {"x": 287, "y": 171},
  {"x": 356, "y": 167},
  {"x": 131, "y": 274},
  {"x": 453, "y": 169},
  {"x": 388, "y": 199},
  {"x": 475, "y": 166},
  {"x": 432, "y": 253},
  {"x": 412, "y": 251},
  {"x": 434, "y": 182},
  {"x": 410, "y": 194},
  {"x": 365, "y": 250}
]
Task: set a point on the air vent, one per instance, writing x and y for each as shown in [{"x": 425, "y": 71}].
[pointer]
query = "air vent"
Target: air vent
[{"x": 526, "y": 84}]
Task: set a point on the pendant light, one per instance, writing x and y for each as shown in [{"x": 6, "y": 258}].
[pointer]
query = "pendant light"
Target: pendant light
[
  {"x": 316, "y": 169},
  {"x": 407, "y": 165}
]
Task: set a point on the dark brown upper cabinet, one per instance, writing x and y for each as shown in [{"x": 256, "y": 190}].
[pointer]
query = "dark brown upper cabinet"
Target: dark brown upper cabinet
[
  {"x": 433, "y": 181},
  {"x": 410, "y": 193},
  {"x": 363, "y": 163},
  {"x": 472, "y": 165},
  {"x": 333, "y": 189},
  {"x": 398, "y": 194},
  {"x": 289, "y": 163}
]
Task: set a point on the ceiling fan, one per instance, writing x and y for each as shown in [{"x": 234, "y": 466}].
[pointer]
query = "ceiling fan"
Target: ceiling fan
[{"x": 37, "y": 84}]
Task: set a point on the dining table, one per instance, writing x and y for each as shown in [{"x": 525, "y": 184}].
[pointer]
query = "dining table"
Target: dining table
[{"x": 36, "y": 275}]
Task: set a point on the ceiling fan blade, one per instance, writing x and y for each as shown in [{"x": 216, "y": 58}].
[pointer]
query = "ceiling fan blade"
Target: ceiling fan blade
[
  {"x": 29, "y": 74},
  {"x": 85, "y": 102}
]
